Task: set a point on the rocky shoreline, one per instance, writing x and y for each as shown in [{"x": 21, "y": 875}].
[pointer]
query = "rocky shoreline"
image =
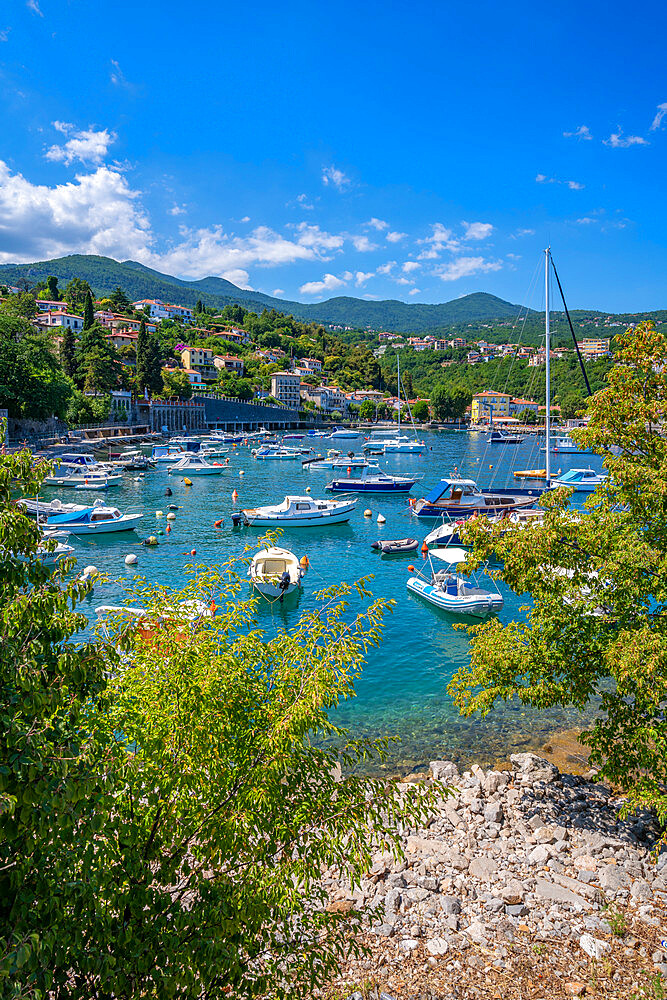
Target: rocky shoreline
[{"x": 525, "y": 875}]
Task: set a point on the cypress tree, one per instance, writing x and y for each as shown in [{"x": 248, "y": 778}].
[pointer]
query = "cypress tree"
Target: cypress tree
[
  {"x": 142, "y": 375},
  {"x": 88, "y": 312},
  {"x": 67, "y": 352}
]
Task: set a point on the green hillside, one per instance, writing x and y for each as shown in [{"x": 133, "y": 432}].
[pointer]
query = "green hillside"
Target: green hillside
[{"x": 139, "y": 282}]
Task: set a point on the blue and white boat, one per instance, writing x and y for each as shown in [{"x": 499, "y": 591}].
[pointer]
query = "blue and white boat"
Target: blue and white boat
[
  {"x": 581, "y": 480},
  {"x": 301, "y": 512},
  {"x": 501, "y": 437},
  {"x": 452, "y": 592},
  {"x": 458, "y": 498},
  {"x": 165, "y": 454},
  {"x": 565, "y": 445},
  {"x": 340, "y": 434},
  {"x": 95, "y": 520},
  {"x": 372, "y": 479},
  {"x": 275, "y": 453}
]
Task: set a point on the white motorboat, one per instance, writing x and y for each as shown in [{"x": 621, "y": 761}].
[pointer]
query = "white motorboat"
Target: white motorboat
[
  {"x": 225, "y": 438},
  {"x": 335, "y": 460},
  {"x": 275, "y": 573},
  {"x": 95, "y": 520},
  {"x": 402, "y": 445},
  {"x": 301, "y": 512},
  {"x": 502, "y": 437},
  {"x": 212, "y": 451},
  {"x": 82, "y": 477},
  {"x": 581, "y": 480},
  {"x": 567, "y": 446},
  {"x": 452, "y": 592},
  {"x": 449, "y": 532},
  {"x": 275, "y": 453},
  {"x": 372, "y": 479},
  {"x": 195, "y": 465},
  {"x": 61, "y": 550},
  {"x": 165, "y": 454},
  {"x": 340, "y": 434}
]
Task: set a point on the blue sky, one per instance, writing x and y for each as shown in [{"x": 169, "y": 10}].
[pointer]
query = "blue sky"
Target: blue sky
[{"x": 418, "y": 150}]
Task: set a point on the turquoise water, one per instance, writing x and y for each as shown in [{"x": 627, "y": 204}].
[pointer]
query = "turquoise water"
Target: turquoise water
[{"x": 402, "y": 690}]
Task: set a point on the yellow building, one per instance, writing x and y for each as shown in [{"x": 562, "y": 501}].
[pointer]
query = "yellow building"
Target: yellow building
[{"x": 490, "y": 405}]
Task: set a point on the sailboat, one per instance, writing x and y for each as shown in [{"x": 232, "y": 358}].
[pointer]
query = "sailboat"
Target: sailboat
[{"x": 400, "y": 444}]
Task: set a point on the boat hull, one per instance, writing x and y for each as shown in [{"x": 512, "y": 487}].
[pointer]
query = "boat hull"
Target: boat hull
[
  {"x": 456, "y": 511},
  {"x": 73, "y": 482},
  {"x": 355, "y": 486},
  {"x": 271, "y": 591},
  {"x": 101, "y": 527},
  {"x": 304, "y": 521},
  {"x": 472, "y": 606}
]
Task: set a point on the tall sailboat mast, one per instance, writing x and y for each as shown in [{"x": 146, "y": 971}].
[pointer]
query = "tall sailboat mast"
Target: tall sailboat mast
[
  {"x": 398, "y": 388},
  {"x": 547, "y": 353}
]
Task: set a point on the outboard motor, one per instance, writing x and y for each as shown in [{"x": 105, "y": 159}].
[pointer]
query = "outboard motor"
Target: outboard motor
[
  {"x": 167, "y": 492},
  {"x": 284, "y": 584}
]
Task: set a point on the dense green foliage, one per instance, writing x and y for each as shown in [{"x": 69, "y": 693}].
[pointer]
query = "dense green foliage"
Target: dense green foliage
[
  {"x": 598, "y": 625},
  {"x": 502, "y": 374},
  {"x": 49, "y": 791},
  {"x": 167, "y": 803},
  {"x": 32, "y": 383},
  {"x": 140, "y": 282}
]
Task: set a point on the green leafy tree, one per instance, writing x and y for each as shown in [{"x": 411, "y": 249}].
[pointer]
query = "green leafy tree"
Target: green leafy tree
[
  {"x": 167, "y": 813},
  {"x": 527, "y": 416},
  {"x": 83, "y": 410},
  {"x": 119, "y": 300},
  {"x": 420, "y": 410},
  {"x": 599, "y": 588},
  {"x": 32, "y": 383},
  {"x": 52, "y": 289},
  {"x": 49, "y": 790},
  {"x": 68, "y": 351},
  {"x": 449, "y": 403},
  {"x": 98, "y": 366},
  {"x": 88, "y": 312},
  {"x": 367, "y": 410},
  {"x": 76, "y": 290},
  {"x": 175, "y": 384},
  {"x": 142, "y": 377},
  {"x": 571, "y": 404},
  {"x": 21, "y": 306}
]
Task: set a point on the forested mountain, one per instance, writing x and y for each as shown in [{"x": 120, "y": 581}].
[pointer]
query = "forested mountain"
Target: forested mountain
[{"x": 139, "y": 282}]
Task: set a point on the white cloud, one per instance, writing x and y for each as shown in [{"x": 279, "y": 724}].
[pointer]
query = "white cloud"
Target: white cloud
[
  {"x": 96, "y": 213},
  {"x": 4, "y": 35},
  {"x": 117, "y": 77},
  {"x": 302, "y": 202},
  {"x": 312, "y": 237},
  {"x": 440, "y": 239},
  {"x": 278, "y": 291},
  {"x": 386, "y": 268},
  {"x": 573, "y": 185},
  {"x": 246, "y": 218},
  {"x": 86, "y": 145},
  {"x": 414, "y": 291},
  {"x": 659, "y": 115},
  {"x": 33, "y": 5},
  {"x": 465, "y": 267},
  {"x": 394, "y": 237},
  {"x": 332, "y": 175},
  {"x": 582, "y": 132},
  {"x": 378, "y": 224},
  {"x": 373, "y": 298},
  {"x": 404, "y": 281},
  {"x": 477, "y": 230},
  {"x": 361, "y": 277},
  {"x": 586, "y": 220},
  {"x": 177, "y": 209},
  {"x": 619, "y": 141},
  {"x": 328, "y": 283},
  {"x": 363, "y": 244},
  {"x": 411, "y": 265},
  {"x": 238, "y": 277}
]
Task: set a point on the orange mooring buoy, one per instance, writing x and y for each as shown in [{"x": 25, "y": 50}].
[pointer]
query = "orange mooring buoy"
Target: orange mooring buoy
[
  {"x": 193, "y": 552},
  {"x": 411, "y": 569},
  {"x": 424, "y": 549},
  {"x": 217, "y": 524}
]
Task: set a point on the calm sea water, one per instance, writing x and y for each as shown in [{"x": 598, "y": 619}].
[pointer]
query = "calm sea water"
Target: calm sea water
[{"x": 403, "y": 688}]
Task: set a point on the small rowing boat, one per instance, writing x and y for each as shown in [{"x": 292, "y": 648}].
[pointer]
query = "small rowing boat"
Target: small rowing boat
[{"x": 394, "y": 546}]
